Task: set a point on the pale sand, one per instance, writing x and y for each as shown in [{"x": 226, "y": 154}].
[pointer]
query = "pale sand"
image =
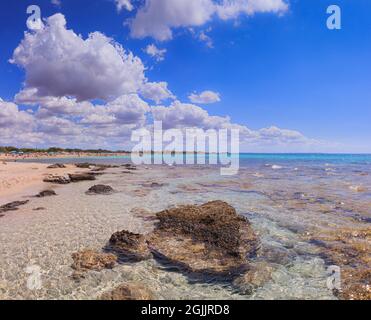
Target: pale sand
[{"x": 24, "y": 179}]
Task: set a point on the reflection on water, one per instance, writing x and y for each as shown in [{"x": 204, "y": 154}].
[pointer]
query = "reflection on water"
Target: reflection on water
[{"x": 294, "y": 205}]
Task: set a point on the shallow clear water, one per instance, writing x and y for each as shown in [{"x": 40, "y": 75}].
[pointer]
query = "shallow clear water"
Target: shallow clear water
[{"x": 284, "y": 204}]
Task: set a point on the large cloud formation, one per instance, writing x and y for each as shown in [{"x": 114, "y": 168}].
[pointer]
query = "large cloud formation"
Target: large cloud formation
[
  {"x": 65, "y": 75},
  {"x": 59, "y": 63},
  {"x": 157, "y": 18}
]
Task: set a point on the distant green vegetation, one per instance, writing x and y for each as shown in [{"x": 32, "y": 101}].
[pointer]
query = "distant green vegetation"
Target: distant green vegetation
[{"x": 9, "y": 149}]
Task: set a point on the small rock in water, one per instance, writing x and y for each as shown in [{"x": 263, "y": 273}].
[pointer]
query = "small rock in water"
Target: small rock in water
[
  {"x": 257, "y": 275},
  {"x": 39, "y": 209},
  {"x": 84, "y": 165},
  {"x": 130, "y": 245},
  {"x": 92, "y": 260},
  {"x": 153, "y": 185},
  {"x": 57, "y": 179},
  {"x": 46, "y": 193},
  {"x": 129, "y": 292},
  {"x": 145, "y": 214},
  {"x": 77, "y": 177},
  {"x": 130, "y": 166},
  {"x": 12, "y": 206},
  {"x": 56, "y": 166},
  {"x": 100, "y": 189}
]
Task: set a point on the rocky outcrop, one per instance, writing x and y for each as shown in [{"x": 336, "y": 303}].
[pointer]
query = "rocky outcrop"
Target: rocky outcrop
[
  {"x": 57, "y": 179},
  {"x": 46, "y": 193},
  {"x": 207, "y": 239},
  {"x": 12, "y": 206},
  {"x": 100, "y": 189},
  {"x": 56, "y": 166},
  {"x": 129, "y": 245},
  {"x": 87, "y": 259},
  {"x": 77, "y": 177},
  {"x": 129, "y": 292}
]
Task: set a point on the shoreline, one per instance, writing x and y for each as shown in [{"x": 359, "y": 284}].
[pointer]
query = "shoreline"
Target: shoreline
[{"x": 42, "y": 156}]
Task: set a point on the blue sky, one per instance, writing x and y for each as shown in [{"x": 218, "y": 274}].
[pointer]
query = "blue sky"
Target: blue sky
[{"x": 282, "y": 69}]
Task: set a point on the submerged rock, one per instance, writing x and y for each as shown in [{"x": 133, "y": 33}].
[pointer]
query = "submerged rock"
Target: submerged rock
[
  {"x": 130, "y": 245},
  {"x": 46, "y": 193},
  {"x": 208, "y": 239},
  {"x": 77, "y": 177},
  {"x": 92, "y": 260},
  {"x": 39, "y": 209},
  {"x": 56, "y": 166},
  {"x": 100, "y": 189},
  {"x": 84, "y": 165},
  {"x": 12, "y": 206},
  {"x": 154, "y": 185},
  {"x": 57, "y": 179},
  {"x": 130, "y": 166},
  {"x": 129, "y": 292},
  {"x": 144, "y": 214},
  {"x": 256, "y": 276}
]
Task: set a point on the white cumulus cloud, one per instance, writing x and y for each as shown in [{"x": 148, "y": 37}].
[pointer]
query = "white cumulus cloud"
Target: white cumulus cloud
[
  {"x": 124, "y": 4},
  {"x": 60, "y": 63},
  {"x": 205, "y": 97},
  {"x": 158, "y": 18},
  {"x": 156, "y": 53},
  {"x": 156, "y": 91}
]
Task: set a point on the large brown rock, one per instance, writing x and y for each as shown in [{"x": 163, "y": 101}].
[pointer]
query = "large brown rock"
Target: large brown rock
[
  {"x": 129, "y": 292},
  {"x": 92, "y": 260},
  {"x": 208, "y": 239},
  {"x": 129, "y": 245}
]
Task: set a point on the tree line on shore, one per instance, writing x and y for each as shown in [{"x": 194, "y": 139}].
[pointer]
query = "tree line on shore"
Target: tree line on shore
[{"x": 9, "y": 149}]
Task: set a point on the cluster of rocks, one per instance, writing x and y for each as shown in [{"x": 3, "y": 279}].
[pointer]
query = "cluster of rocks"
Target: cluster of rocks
[
  {"x": 77, "y": 177},
  {"x": 205, "y": 240}
]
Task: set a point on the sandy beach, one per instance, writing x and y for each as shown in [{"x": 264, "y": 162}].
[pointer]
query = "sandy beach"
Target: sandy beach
[{"x": 22, "y": 179}]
